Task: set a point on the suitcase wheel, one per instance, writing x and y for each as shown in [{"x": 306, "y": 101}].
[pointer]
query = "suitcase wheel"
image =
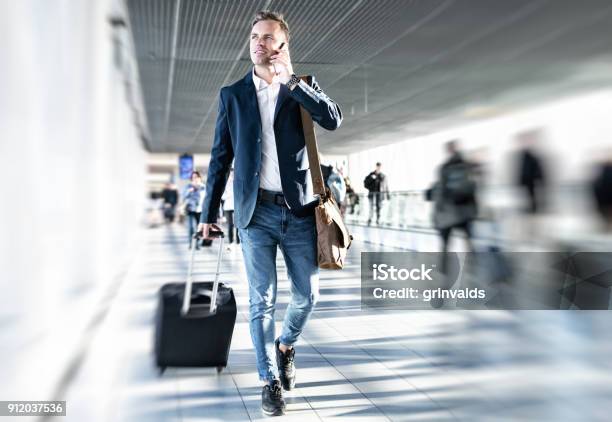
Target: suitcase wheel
[{"x": 220, "y": 369}]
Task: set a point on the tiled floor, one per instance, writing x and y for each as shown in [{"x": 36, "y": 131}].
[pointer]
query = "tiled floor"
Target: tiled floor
[{"x": 352, "y": 364}]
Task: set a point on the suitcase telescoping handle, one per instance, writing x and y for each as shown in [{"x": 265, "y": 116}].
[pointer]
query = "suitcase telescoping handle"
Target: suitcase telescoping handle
[{"x": 189, "y": 284}]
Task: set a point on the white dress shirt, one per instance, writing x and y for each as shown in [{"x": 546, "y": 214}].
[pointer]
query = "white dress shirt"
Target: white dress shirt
[
  {"x": 267, "y": 95},
  {"x": 228, "y": 195}
]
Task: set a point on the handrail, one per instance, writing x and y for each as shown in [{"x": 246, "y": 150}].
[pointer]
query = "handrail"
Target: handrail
[{"x": 408, "y": 209}]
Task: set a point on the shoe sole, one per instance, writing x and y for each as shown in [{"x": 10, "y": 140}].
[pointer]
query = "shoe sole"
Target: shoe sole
[{"x": 277, "y": 412}]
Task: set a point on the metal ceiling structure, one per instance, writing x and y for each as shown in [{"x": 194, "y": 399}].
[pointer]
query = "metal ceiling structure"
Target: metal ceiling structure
[{"x": 398, "y": 68}]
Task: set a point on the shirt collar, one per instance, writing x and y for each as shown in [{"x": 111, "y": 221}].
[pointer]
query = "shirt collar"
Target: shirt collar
[{"x": 258, "y": 82}]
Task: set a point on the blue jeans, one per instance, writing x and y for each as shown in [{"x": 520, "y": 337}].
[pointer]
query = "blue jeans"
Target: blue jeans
[
  {"x": 272, "y": 227},
  {"x": 193, "y": 219}
]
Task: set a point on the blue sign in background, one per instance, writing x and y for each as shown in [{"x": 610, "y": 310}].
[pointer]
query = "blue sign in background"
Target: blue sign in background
[{"x": 185, "y": 166}]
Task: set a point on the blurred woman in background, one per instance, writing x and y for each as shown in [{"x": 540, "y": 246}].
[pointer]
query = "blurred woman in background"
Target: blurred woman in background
[{"x": 193, "y": 197}]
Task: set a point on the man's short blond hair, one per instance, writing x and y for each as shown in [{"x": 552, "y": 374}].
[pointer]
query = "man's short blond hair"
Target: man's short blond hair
[{"x": 267, "y": 15}]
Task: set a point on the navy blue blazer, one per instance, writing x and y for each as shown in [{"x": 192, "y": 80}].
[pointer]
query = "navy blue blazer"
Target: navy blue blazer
[{"x": 238, "y": 136}]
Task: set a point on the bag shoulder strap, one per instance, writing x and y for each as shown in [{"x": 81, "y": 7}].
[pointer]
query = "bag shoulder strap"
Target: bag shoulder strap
[{"x": 312, "y": 150}]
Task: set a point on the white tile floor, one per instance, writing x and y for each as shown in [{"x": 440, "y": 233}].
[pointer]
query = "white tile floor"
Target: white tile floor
[{"x": 353, "y": 365}]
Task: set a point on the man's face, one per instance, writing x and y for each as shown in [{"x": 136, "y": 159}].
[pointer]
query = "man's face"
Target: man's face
[{"x": 266, "y": 37}]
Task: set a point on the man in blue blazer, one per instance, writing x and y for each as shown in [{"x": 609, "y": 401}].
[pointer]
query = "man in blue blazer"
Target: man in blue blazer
[{"x": 259, "y": 127}]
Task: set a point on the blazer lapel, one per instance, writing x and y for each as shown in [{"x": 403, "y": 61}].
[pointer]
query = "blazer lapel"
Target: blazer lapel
[
  {"x": 252, "y": 100},
  {"x": 283, "y": 95}
]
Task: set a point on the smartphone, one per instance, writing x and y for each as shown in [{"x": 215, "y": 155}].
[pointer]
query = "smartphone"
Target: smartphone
[{"x": 279, "y": 49}]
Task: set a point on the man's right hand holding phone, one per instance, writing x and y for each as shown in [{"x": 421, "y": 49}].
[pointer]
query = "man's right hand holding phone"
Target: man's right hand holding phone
[{"x": 281, "y": 62}]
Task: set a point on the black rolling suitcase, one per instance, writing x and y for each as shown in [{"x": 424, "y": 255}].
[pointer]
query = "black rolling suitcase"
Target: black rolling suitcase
[{"x": 195, "y": 321}]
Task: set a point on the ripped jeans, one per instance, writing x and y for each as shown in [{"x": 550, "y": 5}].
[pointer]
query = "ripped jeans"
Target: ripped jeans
[{"x": 273, "y": 227}]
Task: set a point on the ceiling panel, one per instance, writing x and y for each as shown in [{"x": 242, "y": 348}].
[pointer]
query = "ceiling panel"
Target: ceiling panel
[{"x": 398, "y": 68}]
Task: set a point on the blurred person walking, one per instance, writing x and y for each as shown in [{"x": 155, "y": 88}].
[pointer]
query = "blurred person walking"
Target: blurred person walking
[
  {"x": 531, "y": 176},
  {"x": 154, "y": 209},
  {"x": 170, "y": 196},
  {"x": 193, "y": 198},
  {"x": 228, "y": 210},
  {"x": 454, "y": 197},
  {"x": 602, "y": 191},
  {"x": 351, "y": 200},
  {"x": 378, "y": 190},
  {"x": 259, "y": 125},
  {"x": 334, "y": 181}
]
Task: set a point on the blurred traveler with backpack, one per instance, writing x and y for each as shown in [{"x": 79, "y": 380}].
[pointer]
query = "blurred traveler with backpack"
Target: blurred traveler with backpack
[
  {"x": 378, "y": 190},
  {"x": 454, "y": 197}
]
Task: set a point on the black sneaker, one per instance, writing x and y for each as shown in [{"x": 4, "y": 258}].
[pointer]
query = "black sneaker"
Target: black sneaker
[
  {"x": 286, "y": 367},
  {"x": 272, "y": 402}
]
